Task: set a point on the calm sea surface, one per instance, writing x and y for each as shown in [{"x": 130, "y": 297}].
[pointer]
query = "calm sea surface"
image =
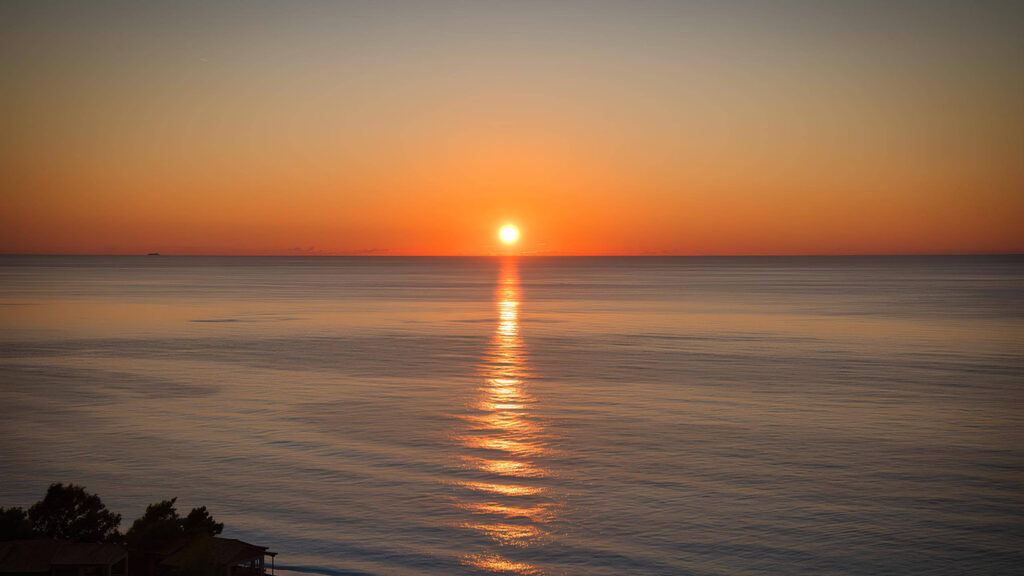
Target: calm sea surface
[{"x": 723, "y": 416}]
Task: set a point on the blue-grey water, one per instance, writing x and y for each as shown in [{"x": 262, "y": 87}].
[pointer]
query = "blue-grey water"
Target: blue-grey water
[{"x": 723, "y": 416}]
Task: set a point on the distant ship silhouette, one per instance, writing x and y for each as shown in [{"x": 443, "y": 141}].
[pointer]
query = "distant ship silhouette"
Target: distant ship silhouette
[{"x": 153, "y": 254}]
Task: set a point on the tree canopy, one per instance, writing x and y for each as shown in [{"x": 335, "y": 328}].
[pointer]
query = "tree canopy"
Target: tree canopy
[
  {"x": 199, "y": 521},
  {"x": 14, "y": 524},
  {"x": 71, "y": 513},
  {"x": 161, "y": 523}
]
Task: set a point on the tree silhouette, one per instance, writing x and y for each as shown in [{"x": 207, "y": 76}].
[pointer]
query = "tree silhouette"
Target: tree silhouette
[
  {"x": 158, "y": 525},
  {"x": 71, "y": 513},
  {"x": 14, "y": 524},
  {"x": 199, "y": 521},
  {"x": 162, "y": 524}
]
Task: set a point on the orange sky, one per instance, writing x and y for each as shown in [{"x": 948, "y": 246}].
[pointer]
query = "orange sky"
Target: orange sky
[{"x": 597, "y": 128}]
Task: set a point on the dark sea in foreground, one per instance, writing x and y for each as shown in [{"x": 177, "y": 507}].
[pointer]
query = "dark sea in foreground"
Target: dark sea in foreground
[{"x": 727, "y": 416}]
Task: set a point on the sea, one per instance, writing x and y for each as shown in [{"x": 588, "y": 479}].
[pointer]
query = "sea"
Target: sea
[{"x": 534, "y": 415}]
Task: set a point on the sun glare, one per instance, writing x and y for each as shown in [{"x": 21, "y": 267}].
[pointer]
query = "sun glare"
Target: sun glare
[{"x": 509, "y": 234}]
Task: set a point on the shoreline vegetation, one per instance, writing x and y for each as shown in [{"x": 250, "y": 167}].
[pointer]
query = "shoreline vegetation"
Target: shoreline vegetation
[{"x": 73, "y": 529}]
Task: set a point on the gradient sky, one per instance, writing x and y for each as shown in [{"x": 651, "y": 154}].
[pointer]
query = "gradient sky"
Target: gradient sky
[{"x": 598, "y": 127}]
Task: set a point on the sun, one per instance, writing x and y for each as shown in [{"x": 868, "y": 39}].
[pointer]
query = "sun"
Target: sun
[{"x": 508, "y": 234}]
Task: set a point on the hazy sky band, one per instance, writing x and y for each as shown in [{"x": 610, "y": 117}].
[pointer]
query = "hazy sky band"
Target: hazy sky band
[{"x": 598, "y": 127}]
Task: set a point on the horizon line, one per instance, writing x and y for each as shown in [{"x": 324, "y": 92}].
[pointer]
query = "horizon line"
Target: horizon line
[{"x": 521, "y": 255}]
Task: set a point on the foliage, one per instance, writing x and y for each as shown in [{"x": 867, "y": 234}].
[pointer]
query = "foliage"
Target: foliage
[
  {"x": 199, "y": 521},
  {"x": 158, "y": 525},
  {"x": 14, "y": 524},
  {"x": 162, "y": 524},
  {"x": 71, "y": 513}
]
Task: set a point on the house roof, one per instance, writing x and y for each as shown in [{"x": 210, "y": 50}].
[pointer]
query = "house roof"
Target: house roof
[
  {"x": 230, "y": 551},
  {"x": 39, "y": 555},
  {"x": 226, "y": 552}
]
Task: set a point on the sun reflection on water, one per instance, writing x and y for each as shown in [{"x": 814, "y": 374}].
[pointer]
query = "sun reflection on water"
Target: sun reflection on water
[
  {"x": 503, "y": 444},
  {"x": 495, "y": 563},
  {"x": 502, "y": 489}
]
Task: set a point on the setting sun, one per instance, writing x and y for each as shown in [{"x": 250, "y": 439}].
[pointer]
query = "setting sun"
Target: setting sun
[{"x": 509, "y": 234}]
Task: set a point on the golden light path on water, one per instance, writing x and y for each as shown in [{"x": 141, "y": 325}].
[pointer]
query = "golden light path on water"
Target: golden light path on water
[{"x": 506, "y": 505}]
